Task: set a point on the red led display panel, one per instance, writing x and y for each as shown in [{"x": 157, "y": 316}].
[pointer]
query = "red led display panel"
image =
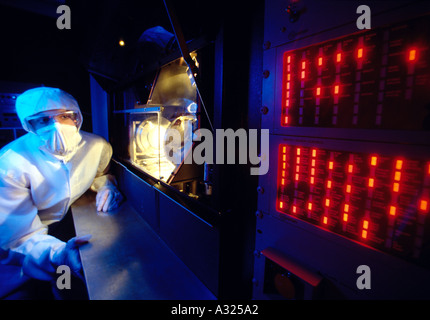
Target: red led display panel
[
  {"x": 381, "y": 201},
  {"x": 378, "y": 79}
]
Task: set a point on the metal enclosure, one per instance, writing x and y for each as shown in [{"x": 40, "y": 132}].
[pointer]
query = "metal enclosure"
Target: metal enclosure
[
  {"x": 349, "y": 180},
  {"x": 213, "y": 234}
]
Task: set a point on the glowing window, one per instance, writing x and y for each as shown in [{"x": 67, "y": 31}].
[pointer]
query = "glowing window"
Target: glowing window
[
  {"x": 303, "y": 64},
  {"x": 397, "y": 175},
  {"x": 365, "y": 224},
  {"x": 396, "y": 187},
  {"x": 310, "y": 206},
  {"x": 364, "y": 234},
  {"x": 348, "y": 188},
  {"x": 328, "y": 184},
  {"x": 338, "y": 57},
  {"x": 320, "y": 61},
  {"x": 325, "y": 220},
  {"x": 371, "y": 183},
  {"x": 318, "y": 91},
  {"x": 350, "y": 168},
  {"x": 412, "y": 55},
  {"x": 373, "y": 161},
  {"x": 423, "y": 205},
  {"x": 330, "y": 165},
  {"x": 336, "y": 89},
  {"x": 392, "y": 210},
  {"x": 346, "y": 207},
  {"x": 314, "y": 153},
  {"x": 281, "y": 205},
  {"x": 399, "y": 164},
  {"x": 360, "y": 53},
  {"x": 345, "y": 217},
  {"x": 327, "y": 202}
]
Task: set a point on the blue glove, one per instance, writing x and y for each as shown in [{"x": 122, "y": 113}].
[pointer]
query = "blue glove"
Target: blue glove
[
  {"x": 68, "y": 254},
  {"x": 108, "y": 199}
]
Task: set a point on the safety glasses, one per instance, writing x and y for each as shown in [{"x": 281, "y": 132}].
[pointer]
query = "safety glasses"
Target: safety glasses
[{"x": 47, "y": 118}]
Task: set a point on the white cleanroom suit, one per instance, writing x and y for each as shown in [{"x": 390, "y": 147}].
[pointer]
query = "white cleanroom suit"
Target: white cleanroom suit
[{"x": 40, "y": 177}]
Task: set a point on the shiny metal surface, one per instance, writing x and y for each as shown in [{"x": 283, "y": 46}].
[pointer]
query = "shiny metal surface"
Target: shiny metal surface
[{"x": 126, "y": 260}]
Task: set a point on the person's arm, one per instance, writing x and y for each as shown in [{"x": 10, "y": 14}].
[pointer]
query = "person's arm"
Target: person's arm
[
  {"x": 108, "y": 196},
  {"x": 24, "y": 240}
]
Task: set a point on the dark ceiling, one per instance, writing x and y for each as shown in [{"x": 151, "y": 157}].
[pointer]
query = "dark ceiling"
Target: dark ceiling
[
  {"x": 34, "y": 51},
  {"x": 29, "y": 26}
]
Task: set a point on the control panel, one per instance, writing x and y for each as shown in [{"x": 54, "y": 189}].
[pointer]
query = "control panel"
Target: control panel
[
  {"x": 8, "y": 116},
  {"x": 375, "y": 79},
  {"x": 349, "y": 177},
  {"x": 378, "y": 200}
]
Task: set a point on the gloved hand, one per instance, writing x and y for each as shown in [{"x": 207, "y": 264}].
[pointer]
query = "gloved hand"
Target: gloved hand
[
  {"x": 68, "y": 254},
  {"x": 108, "y": 199}
]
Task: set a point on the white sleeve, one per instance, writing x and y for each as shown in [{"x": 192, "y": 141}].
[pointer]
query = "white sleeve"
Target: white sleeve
[
  {"x": 103, "y": 179},
  {"x": 23, "y": 237}
]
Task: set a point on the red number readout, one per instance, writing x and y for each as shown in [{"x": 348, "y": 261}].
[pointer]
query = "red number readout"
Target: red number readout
[
  {"x": 366, "y": 197},
  {"x": 356, "y": 82}
]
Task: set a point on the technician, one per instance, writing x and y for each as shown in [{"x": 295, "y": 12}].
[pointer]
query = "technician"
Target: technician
[{"x": 41, "y": 174}]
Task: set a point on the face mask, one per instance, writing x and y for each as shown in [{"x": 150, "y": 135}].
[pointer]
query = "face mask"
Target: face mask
[{"x": 60, "y": 139}]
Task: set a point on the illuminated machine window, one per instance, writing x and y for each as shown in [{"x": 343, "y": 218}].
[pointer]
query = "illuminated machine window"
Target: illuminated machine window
[
  {"x": 160, "y": 131},
  {"x": 377, "y": 79},
  {"x": 381, "y": 201}
]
